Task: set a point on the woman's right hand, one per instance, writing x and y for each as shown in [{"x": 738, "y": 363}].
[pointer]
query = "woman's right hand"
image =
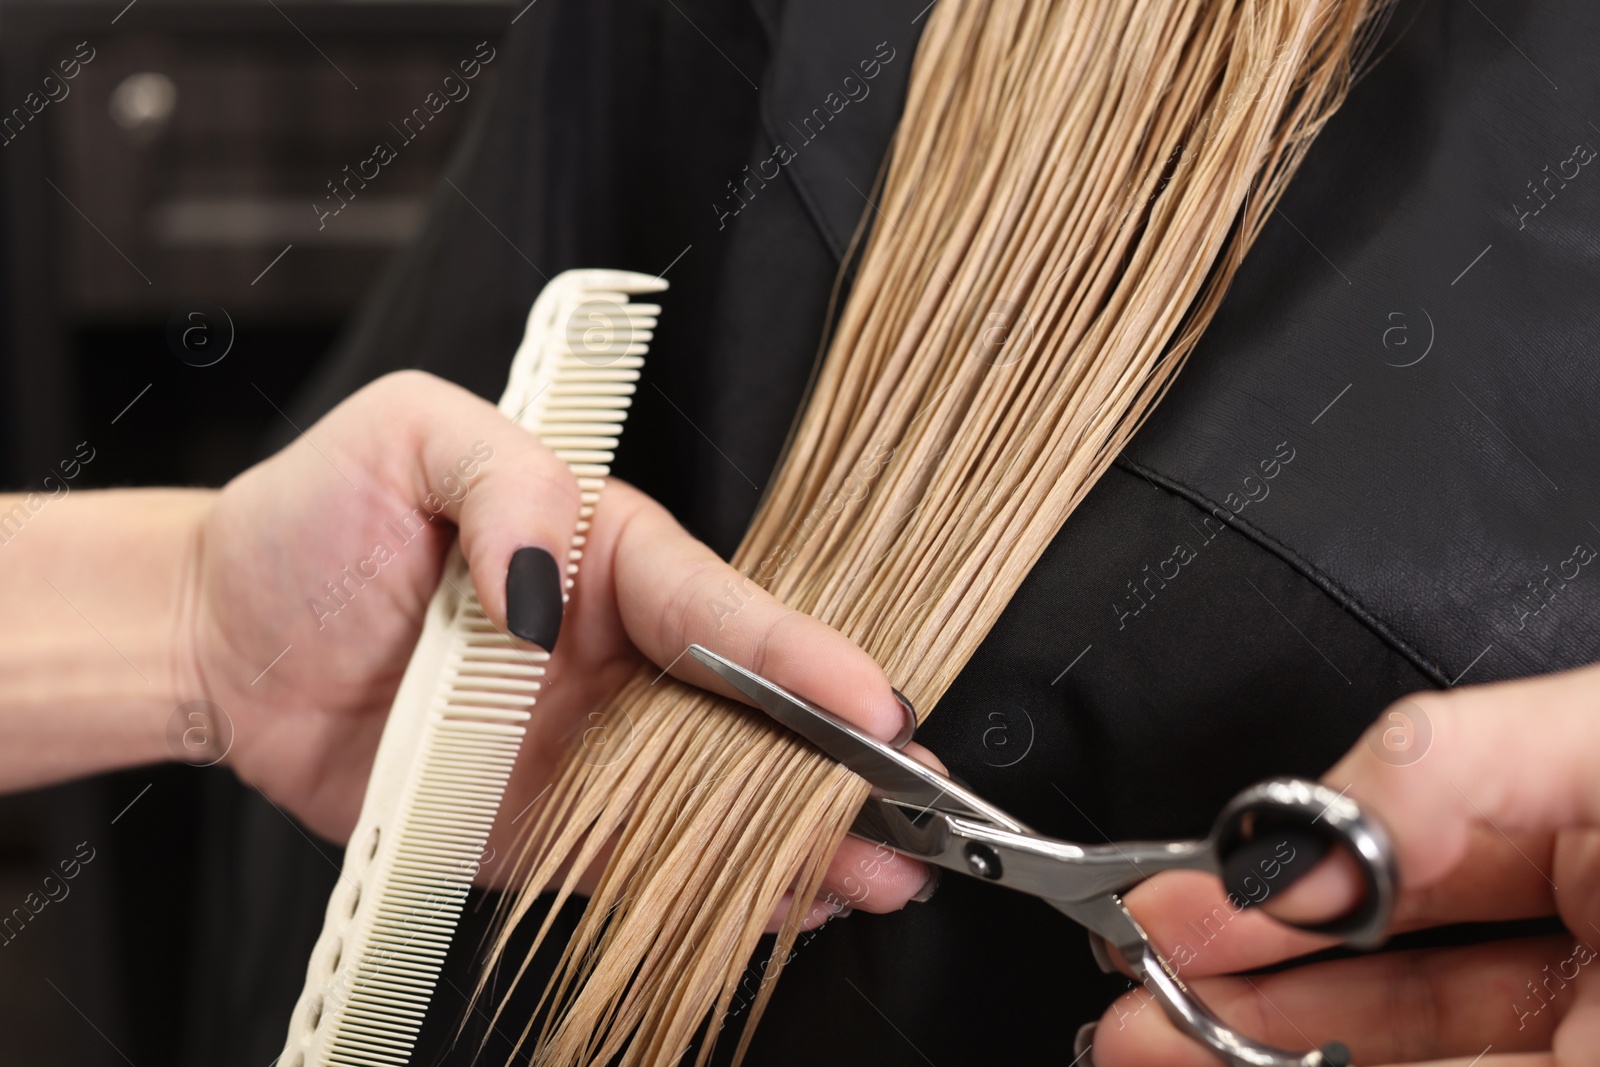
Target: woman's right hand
[{"x": 278, "y": 537}]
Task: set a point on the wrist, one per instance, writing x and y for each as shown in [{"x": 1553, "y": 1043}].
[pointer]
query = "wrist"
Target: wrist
[
  {"x": 96, "y": 611},
  {"x": 195, "y": 731}
]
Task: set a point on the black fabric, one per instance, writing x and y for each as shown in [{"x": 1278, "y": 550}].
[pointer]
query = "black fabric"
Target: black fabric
[
  {"x": 1455, "y": 474},
  {"x": 1165, "y": 651},
  {"x": 620, "y": 126},
  {"x": 843, "y": 67}
]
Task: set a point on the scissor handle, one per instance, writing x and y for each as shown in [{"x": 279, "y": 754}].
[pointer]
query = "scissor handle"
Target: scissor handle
[
  {"x": 1190, "y": 1014},
  {"x": 1306, "y": 820}
]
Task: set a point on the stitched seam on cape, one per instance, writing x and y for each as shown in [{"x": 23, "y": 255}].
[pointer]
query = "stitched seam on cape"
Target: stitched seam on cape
[{"x": 1332, "y": 589}]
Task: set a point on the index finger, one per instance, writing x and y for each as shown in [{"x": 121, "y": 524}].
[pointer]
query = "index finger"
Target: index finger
[
  {"x": 673, "y": 591},
  {"x": 1194, "y": 922}
]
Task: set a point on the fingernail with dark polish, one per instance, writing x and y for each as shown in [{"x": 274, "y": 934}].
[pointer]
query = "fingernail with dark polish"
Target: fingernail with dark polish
[
  {"x": 925, "y": 894},
  {"x": 1101, "y": 952},
  {"x": 533, "y": 597},
  {"x": 1083, "y": 1043},
  {"x": 903, "y": 738}
]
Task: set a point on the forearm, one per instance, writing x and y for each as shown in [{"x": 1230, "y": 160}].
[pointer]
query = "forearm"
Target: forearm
[{"x": 96, "y": 592}]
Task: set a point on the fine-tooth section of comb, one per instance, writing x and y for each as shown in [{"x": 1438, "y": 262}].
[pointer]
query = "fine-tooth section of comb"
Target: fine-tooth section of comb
[{"x": 456, "y": 726}]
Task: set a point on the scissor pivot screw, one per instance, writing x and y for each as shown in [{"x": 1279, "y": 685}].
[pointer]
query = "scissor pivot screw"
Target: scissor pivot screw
[{"x": 983, "y": 861}]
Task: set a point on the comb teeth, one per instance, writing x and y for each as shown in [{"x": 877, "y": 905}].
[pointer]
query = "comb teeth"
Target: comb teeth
[
  {"x": 457, "y": 723},
  {"x": 471, "y": 746}
]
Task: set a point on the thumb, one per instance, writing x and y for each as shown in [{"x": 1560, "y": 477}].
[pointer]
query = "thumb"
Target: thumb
[{"x": 1518, "y": 756}]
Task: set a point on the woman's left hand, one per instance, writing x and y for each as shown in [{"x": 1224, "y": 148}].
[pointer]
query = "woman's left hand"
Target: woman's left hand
[{"x": 1498, "y": 818}]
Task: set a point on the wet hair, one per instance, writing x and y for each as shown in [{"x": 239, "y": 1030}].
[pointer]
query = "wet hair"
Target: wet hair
[{"x": 1071, "y": 190}]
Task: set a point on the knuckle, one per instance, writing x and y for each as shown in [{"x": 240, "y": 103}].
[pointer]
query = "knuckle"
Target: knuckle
[
  {"x": 1402, "y": 734},
  {"x": 1263, "y": 1018},
  {"x": 399, "y": 386},
  {"x": 768, "y": 647},
  {"x": 1431, "y": 702},
  {"x": 689, "y": 596},
  {"x": 407, "y": 378},
  {"x": 541, "y": 477},
  {"x": 405, "y": 405},
  {"x": 1417, "y": 1010}
]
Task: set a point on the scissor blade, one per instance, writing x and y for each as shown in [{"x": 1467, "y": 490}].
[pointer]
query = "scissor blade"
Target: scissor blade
[
  {"x": 923, "y": 835},
  {"x": 894, "y": 773}
]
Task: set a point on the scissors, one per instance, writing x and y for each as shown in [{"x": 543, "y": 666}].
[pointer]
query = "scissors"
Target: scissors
[{"x": 923, "y": 814}]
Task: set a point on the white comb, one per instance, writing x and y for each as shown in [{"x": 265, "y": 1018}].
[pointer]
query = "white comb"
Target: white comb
[{"x": 457, "y": 721}]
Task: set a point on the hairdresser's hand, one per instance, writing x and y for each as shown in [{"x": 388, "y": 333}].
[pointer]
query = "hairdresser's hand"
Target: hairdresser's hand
[
  {"x": 1498, "y": 819},
  {"x": 314, "y": 569}
]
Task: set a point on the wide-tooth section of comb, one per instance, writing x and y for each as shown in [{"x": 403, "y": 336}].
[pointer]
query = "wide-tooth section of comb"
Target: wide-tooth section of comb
[{"x": 457, "y": 723}]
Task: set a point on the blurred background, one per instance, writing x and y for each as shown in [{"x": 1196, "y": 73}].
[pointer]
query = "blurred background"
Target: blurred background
[{"x": 161, "y": 164}]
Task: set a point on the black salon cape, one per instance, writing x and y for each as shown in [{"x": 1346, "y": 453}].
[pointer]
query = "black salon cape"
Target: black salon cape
[{"x": 1377, "y": 473}]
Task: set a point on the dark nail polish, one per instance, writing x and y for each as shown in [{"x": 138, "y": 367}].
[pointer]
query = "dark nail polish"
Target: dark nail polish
[
  {"x": 533, "y": 597},
  {"x": 1101, "y": 951},
  {"x": 1083, "y": 1043},
  {"x": 908, "y": 730},
  {"x": 925, "y": 894}
]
